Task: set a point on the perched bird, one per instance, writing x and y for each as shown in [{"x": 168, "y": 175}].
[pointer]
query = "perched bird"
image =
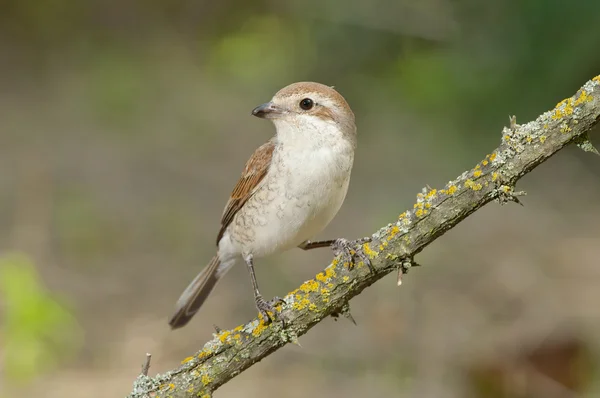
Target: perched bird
[{"x": 291, "y": 188}]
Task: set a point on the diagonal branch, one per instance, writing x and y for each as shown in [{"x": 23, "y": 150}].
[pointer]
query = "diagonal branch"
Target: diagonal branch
[{"x": 522, "y": 148}]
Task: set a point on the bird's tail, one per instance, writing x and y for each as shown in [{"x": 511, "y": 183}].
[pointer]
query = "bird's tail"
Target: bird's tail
[{"x": 194, "y": 295}]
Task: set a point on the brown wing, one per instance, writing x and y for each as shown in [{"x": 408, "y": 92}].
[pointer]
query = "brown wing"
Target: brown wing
[{"x": 255, "y": 170}]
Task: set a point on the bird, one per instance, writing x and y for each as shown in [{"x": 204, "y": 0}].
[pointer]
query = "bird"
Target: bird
[{"x": 291, "y": 188}]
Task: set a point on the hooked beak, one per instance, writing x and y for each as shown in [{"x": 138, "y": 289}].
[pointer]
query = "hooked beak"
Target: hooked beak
[{"x": 267, "y": 111}]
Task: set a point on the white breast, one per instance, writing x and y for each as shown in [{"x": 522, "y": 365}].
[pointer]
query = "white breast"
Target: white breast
[{"x": 303, "y": 191}]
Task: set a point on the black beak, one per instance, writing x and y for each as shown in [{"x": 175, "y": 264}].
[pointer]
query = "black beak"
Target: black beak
[{"x": 266, "y": 111}]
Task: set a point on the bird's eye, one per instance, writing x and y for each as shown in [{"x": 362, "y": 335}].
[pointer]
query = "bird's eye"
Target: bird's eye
[{"x": 306, "y": 104}]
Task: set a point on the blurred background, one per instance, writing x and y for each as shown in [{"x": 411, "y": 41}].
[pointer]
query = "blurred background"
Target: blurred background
[{"x": 125, "y": 124}]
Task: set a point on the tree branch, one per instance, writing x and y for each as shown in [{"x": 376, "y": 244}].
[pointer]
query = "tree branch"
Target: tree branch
[{"x": 522, "y": 148}]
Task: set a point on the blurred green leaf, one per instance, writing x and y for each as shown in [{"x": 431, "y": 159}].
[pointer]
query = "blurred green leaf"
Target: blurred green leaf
[
  {"x": 426, "y": 76},
  {"x": 37, "y": 330},
  {"x": 263, "y": 47}
]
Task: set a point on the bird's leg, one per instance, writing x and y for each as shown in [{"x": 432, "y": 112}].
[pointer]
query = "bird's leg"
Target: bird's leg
[
  {"x": 263, "y": 306},
  {"x": 344, "y": 247}
]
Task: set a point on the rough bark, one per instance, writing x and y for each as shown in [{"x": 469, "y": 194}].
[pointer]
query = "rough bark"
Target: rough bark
[{"x": 393, "y": 247}]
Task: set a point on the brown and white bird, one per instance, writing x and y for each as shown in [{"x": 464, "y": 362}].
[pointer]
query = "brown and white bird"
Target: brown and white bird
[{"x": 291, "y": 188}]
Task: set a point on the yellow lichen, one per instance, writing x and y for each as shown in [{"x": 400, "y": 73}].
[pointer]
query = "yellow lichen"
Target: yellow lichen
[
  {"x": 186, "y": 360},
  {"x": 419, "y": 213},
  {"x": 393, "y": 231},
  {"x": 485, "y": 163},
  {"x": 205, "y": 379},
  {"x": 310, "y": 286},
  {"x": 368, "y": 251},
  {"x": 223, "y": 336},
  {"x": 431, "y": 194},
  {"x": 561, "y": 103},
  {"x": 477, "y": 173},
  {"x": 583, "y": 97},
  {"x": 452, "y": 189},
  {"x": 563, "y": 108},
  {"x": 473, "y": 185},
  {"x": 495, "y": 176},
  {"x": 428, "y": 205},
  {"x": 301, "y": 304},
  {"x": 171, "y": 386},
  {"x": 239, "y": 328},
  {"x": 596, "y": 79},
  {"x": 565, "y": 128},
  {"x": 259, "y": 328},
  {"x": 492, "y": 157},
  {"x": 312, "y": 307},
  {"x": 545, "y": 125},
  {"x": 204, "y": 353},
  {"x": 346, "y": 278},
  {"x": 542, "y": 138},
  {"x": 326, "y": 275}
]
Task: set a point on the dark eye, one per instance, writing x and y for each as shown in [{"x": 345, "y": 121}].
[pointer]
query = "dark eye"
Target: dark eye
[{"x": 306, "y": 104}]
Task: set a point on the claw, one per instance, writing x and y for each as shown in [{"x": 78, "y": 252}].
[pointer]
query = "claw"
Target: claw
[
  {"x": 265, "y": 308},
  {"x": 275, "y": 301},
  {"x": 344, "y": 247}
]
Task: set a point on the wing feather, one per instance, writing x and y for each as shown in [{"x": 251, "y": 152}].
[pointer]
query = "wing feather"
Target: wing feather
[{"x": 254, "y": 172}]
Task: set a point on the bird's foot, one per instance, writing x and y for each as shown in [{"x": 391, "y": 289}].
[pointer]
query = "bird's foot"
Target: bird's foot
[
  {"x": 267, "y": 309},
  {"x": 349, "y": 250}
]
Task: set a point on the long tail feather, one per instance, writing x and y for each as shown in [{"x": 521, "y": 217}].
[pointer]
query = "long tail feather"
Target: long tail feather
[{"x": 194, "y": 295}]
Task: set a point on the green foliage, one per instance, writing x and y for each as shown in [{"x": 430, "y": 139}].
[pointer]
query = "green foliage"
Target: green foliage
[
  {"x": 37, "y": 330},
  {"x": 117, "y": 85},
  {"x": 264, "y": 46}
]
